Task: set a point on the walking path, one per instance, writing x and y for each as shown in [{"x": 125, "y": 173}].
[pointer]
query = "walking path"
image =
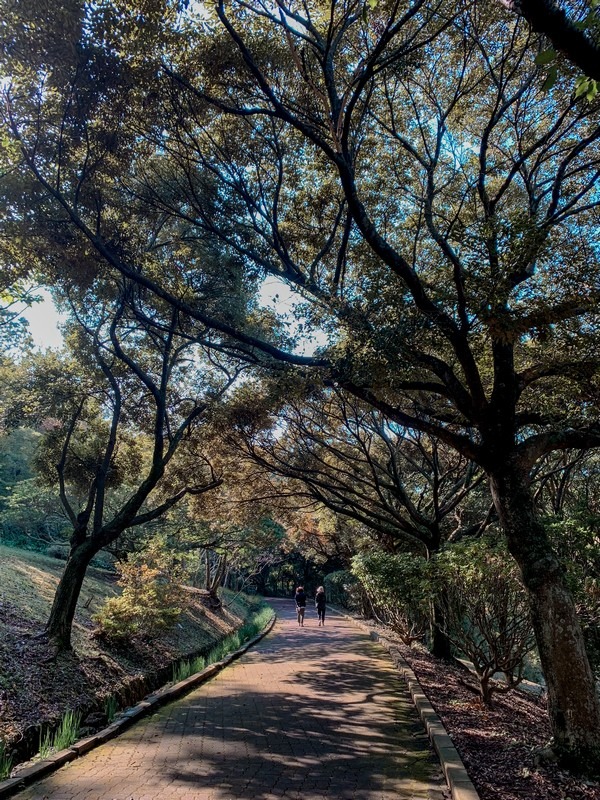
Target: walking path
[{"x": 308, "y": 713}]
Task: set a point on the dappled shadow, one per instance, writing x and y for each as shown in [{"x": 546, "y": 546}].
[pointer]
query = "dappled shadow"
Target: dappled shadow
[{"x": 309, "y": 713}]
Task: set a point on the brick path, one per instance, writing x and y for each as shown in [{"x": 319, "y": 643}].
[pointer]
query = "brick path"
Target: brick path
[{"x": 308, "y": 713}]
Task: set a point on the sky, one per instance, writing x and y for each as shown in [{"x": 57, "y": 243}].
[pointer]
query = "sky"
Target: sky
[{"x": 44, "y": 319}]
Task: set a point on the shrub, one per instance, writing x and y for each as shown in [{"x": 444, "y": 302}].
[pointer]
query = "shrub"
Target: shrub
[
  {"x": 342, "y": 588},
  {"x": 59, "y": 551},
  {"x": 486, "y": 610},
  {"x": 148, "y": 605},
  {"x": 397, "y": 590}
]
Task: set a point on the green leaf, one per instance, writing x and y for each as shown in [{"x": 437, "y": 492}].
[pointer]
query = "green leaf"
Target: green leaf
[
  {"x": 550, "y": 79},
  {"x": 372, "y": 4},
  {"x": 545, "y": 57},
  {"x": 582, "y": 86}
]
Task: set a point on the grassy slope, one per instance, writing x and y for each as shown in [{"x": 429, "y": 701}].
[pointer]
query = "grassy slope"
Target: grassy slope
[{"x": 37, "y": 689}]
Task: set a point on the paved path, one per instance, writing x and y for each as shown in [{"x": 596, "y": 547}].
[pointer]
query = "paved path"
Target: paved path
[{"x": 308, "y": 713}]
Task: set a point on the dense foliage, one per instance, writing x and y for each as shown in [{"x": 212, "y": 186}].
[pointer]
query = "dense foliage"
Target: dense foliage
[{"x": 432, "y": 207}]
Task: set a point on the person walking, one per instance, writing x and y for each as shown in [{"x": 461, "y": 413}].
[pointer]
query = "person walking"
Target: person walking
[
  {"x": 300, "y": 599},
  {"x": 320, "y": 603}
]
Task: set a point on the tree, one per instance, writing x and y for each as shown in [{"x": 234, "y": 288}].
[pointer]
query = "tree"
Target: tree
[
  {"x": 487, "y": 614},
  {"x": 13, "y": 327},
  {"x": 405, "y": 173},
  {"x": 335, "y": 450},
  {"x": 407, "y": 491},
  {"x": 125, "y": 447},
  {"x": 573, "y": 32}
]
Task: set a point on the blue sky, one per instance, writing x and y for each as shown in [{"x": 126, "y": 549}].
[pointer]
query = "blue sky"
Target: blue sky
[{"x": 44, "y": 319}]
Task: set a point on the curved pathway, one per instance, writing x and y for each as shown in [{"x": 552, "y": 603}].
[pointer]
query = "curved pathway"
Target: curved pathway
[{"x": 308, "y": 713}]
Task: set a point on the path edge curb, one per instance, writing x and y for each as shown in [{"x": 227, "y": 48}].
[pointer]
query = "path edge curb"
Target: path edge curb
[
  {"x": 460, "y": 784},
  {"x": 34, "y": 772}
]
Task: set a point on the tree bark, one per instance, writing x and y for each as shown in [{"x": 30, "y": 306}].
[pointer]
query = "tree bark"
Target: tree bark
[
  {"x": 573, "y": 703},
  {"x": 60, "y": 622},
  {"x": 441, "y": 647}
]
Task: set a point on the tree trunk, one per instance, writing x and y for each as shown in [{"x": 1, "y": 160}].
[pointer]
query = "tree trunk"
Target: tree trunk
[
  {"x": 573, "y": 703},
  {"x": 485, "y": 689},
  {"x": 60, "y": 622},
  {"x": 441, "y": 647}
]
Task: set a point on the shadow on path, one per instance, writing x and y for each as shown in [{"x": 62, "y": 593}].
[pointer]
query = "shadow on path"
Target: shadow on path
[{"x": 308, "y": 713}]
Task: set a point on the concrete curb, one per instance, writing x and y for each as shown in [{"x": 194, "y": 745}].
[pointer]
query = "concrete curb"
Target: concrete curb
[
  {"x": 457, "y": 777},
  {"x": 33, "y": 771}
]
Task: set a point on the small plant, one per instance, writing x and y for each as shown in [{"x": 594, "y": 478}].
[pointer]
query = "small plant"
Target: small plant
[
  {"x": 217, "y": 653},
  {"x": 45, "y": 743},
  {"x": 5, "y": 762},
  {"x": 67, "y": 730},
  {"x": 184, "y": 669},
  {"x": 63, "y": 736},
  {"x": 229, "y": 644},
  {"x": 110, "y": 707},
  {"x": 150, "y": 601},
  {"x": 235, "y": 640}
]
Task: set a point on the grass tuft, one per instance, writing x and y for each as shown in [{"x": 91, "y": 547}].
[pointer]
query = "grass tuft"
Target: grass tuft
[
  {"x": 63, "y": 736},
  {"x": 5, "y": 762},
  {"x": 110, "y": 707}
]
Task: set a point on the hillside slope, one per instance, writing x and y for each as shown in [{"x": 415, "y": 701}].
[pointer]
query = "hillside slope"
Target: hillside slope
[{"x": 37, "y": 688}]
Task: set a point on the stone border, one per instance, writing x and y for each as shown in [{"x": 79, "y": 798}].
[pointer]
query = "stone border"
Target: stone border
[
  {"x": 457, "y": 777},
  {"x": 39, "y": 769}
]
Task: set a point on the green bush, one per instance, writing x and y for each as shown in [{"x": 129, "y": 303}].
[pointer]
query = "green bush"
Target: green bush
[
  {"x": 342, "y": 588},
  {"x": 486, "y": 610},
  {"x": 397, "y": 590},
  {"x": 148, "y": 605}
]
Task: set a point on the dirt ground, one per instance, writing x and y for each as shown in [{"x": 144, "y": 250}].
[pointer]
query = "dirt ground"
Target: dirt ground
[{"x": 500, "y": 746}]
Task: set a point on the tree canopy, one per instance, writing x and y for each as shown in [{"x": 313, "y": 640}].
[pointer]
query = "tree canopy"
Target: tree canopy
[{"x": 401, "y": 167}]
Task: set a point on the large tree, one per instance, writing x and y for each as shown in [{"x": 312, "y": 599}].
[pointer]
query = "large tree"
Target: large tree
[
  {"x": 574, "y": 30},
  {"x": 401, "y": 169},
  {"x": 124, "y": 440}
]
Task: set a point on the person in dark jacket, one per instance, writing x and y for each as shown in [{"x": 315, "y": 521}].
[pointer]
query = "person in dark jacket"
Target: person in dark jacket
[
  {"x": 320, "y": 603},
  {"x": 300, "y": 598}
]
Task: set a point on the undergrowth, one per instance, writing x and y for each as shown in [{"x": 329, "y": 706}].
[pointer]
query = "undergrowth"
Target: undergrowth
[
  {"x": 63, "y": 736},
  {"x": 229, "y": 644},
  {"x": 5, "y": 762}
]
